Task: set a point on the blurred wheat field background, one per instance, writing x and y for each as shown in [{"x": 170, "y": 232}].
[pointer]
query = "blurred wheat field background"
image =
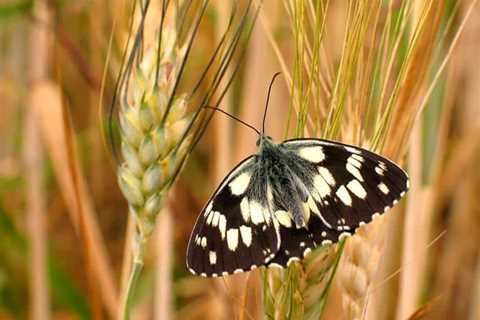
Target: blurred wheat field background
[{"x": 398, "y": 77}]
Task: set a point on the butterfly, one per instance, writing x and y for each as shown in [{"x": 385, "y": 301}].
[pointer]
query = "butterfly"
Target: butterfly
[{"x": 279, "y": 204}]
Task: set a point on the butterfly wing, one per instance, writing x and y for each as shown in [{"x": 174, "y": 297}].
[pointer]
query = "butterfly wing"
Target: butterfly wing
[
  {"x": 234, "y": 232},
  {"x": 347, "y": 187}
]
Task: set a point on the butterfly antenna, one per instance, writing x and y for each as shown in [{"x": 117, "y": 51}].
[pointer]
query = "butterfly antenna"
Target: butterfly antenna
[
  {"x": 268, "y": 99},
  {"x": 233, "y": 117}
]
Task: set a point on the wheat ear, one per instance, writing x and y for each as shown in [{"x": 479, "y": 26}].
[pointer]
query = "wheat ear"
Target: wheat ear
[{"x": 150, "y": 134}]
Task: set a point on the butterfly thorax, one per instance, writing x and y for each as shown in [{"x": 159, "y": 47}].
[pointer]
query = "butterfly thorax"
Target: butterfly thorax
[{"x": 284, "y": 190}]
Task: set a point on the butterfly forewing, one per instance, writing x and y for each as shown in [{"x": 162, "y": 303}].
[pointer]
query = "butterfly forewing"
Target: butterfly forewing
[
  {"x": 348, "y": 187},
  {"x": 234, "y": 232}
]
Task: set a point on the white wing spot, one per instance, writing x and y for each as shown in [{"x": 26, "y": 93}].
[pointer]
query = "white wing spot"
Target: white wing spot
[
  {"x": 246, "y": 233},
  {"x": 216, "y": 217},
  {"x": 324, "y": 234},
  {"x": 382, "y": 165},
  {"x": 208, "y": 208},
  {"x": 237, "y": 271},
  {"x": 210, "y": 217},
  {"x": 379, "y": 171},
  {"x": 284, "y": 218},
  {"x": 212, "y": 257},
  {"x": 256, "y": 212},
  {"x": 241, "y": 167},
  {"x": 313, "y": 205},
  {"x": 327, "y": 176},
  {"x": 222, "y": 225},
  {"x": 383, "y": 187},
  {"x": 357, "y": 189},
  {"x": 321, "y": 185},
  {"x": 245, "y": 209},
  {"x": 240, "y": 184},
  {"x": 354, "y": 171},
  {"x": 358, "y": 157},
  {"x": 203, "y": 242},
  {"x": 232, "y": 239},
  {"x": 353, "y": 159},
  {"x": 353, "y": 150},
  {"x": 312, "y": 153},
  {"x": 343, "y": 194},
  {"x": 306, "y": 213}
]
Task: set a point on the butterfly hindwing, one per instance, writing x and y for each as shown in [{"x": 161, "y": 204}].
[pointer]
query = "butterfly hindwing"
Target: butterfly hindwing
[{"x": 234, "y": 232}]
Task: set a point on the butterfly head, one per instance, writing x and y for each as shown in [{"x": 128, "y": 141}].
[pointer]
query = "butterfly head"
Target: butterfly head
[
  {"x": 264, "y": 143},
  {"x": 263, "y": 139}
]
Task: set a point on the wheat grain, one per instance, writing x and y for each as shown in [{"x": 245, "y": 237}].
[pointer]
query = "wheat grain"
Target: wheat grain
[{"x": 358, "y": 269}]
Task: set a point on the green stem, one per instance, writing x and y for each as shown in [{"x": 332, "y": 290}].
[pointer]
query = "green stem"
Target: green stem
[
  {"x": 132, "y": 281},
  {"x": 137, "y": 265}
]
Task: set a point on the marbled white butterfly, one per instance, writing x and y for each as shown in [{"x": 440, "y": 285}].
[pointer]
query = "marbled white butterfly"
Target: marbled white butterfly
[{"x": 279, "y": 204}]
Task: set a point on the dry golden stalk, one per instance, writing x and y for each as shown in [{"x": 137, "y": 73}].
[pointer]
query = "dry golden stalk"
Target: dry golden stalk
[
  {"x": 164, "y": 252},
  {"x": 33, "y": 158},
  {"x": 412, "y": 81}
]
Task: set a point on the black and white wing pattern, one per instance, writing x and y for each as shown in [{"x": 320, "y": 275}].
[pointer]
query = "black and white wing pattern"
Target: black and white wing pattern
[
  {"x": 234, "y": 232},
  {"x": 278, "y": 205},
  {"x": 347, "y": 187}
]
